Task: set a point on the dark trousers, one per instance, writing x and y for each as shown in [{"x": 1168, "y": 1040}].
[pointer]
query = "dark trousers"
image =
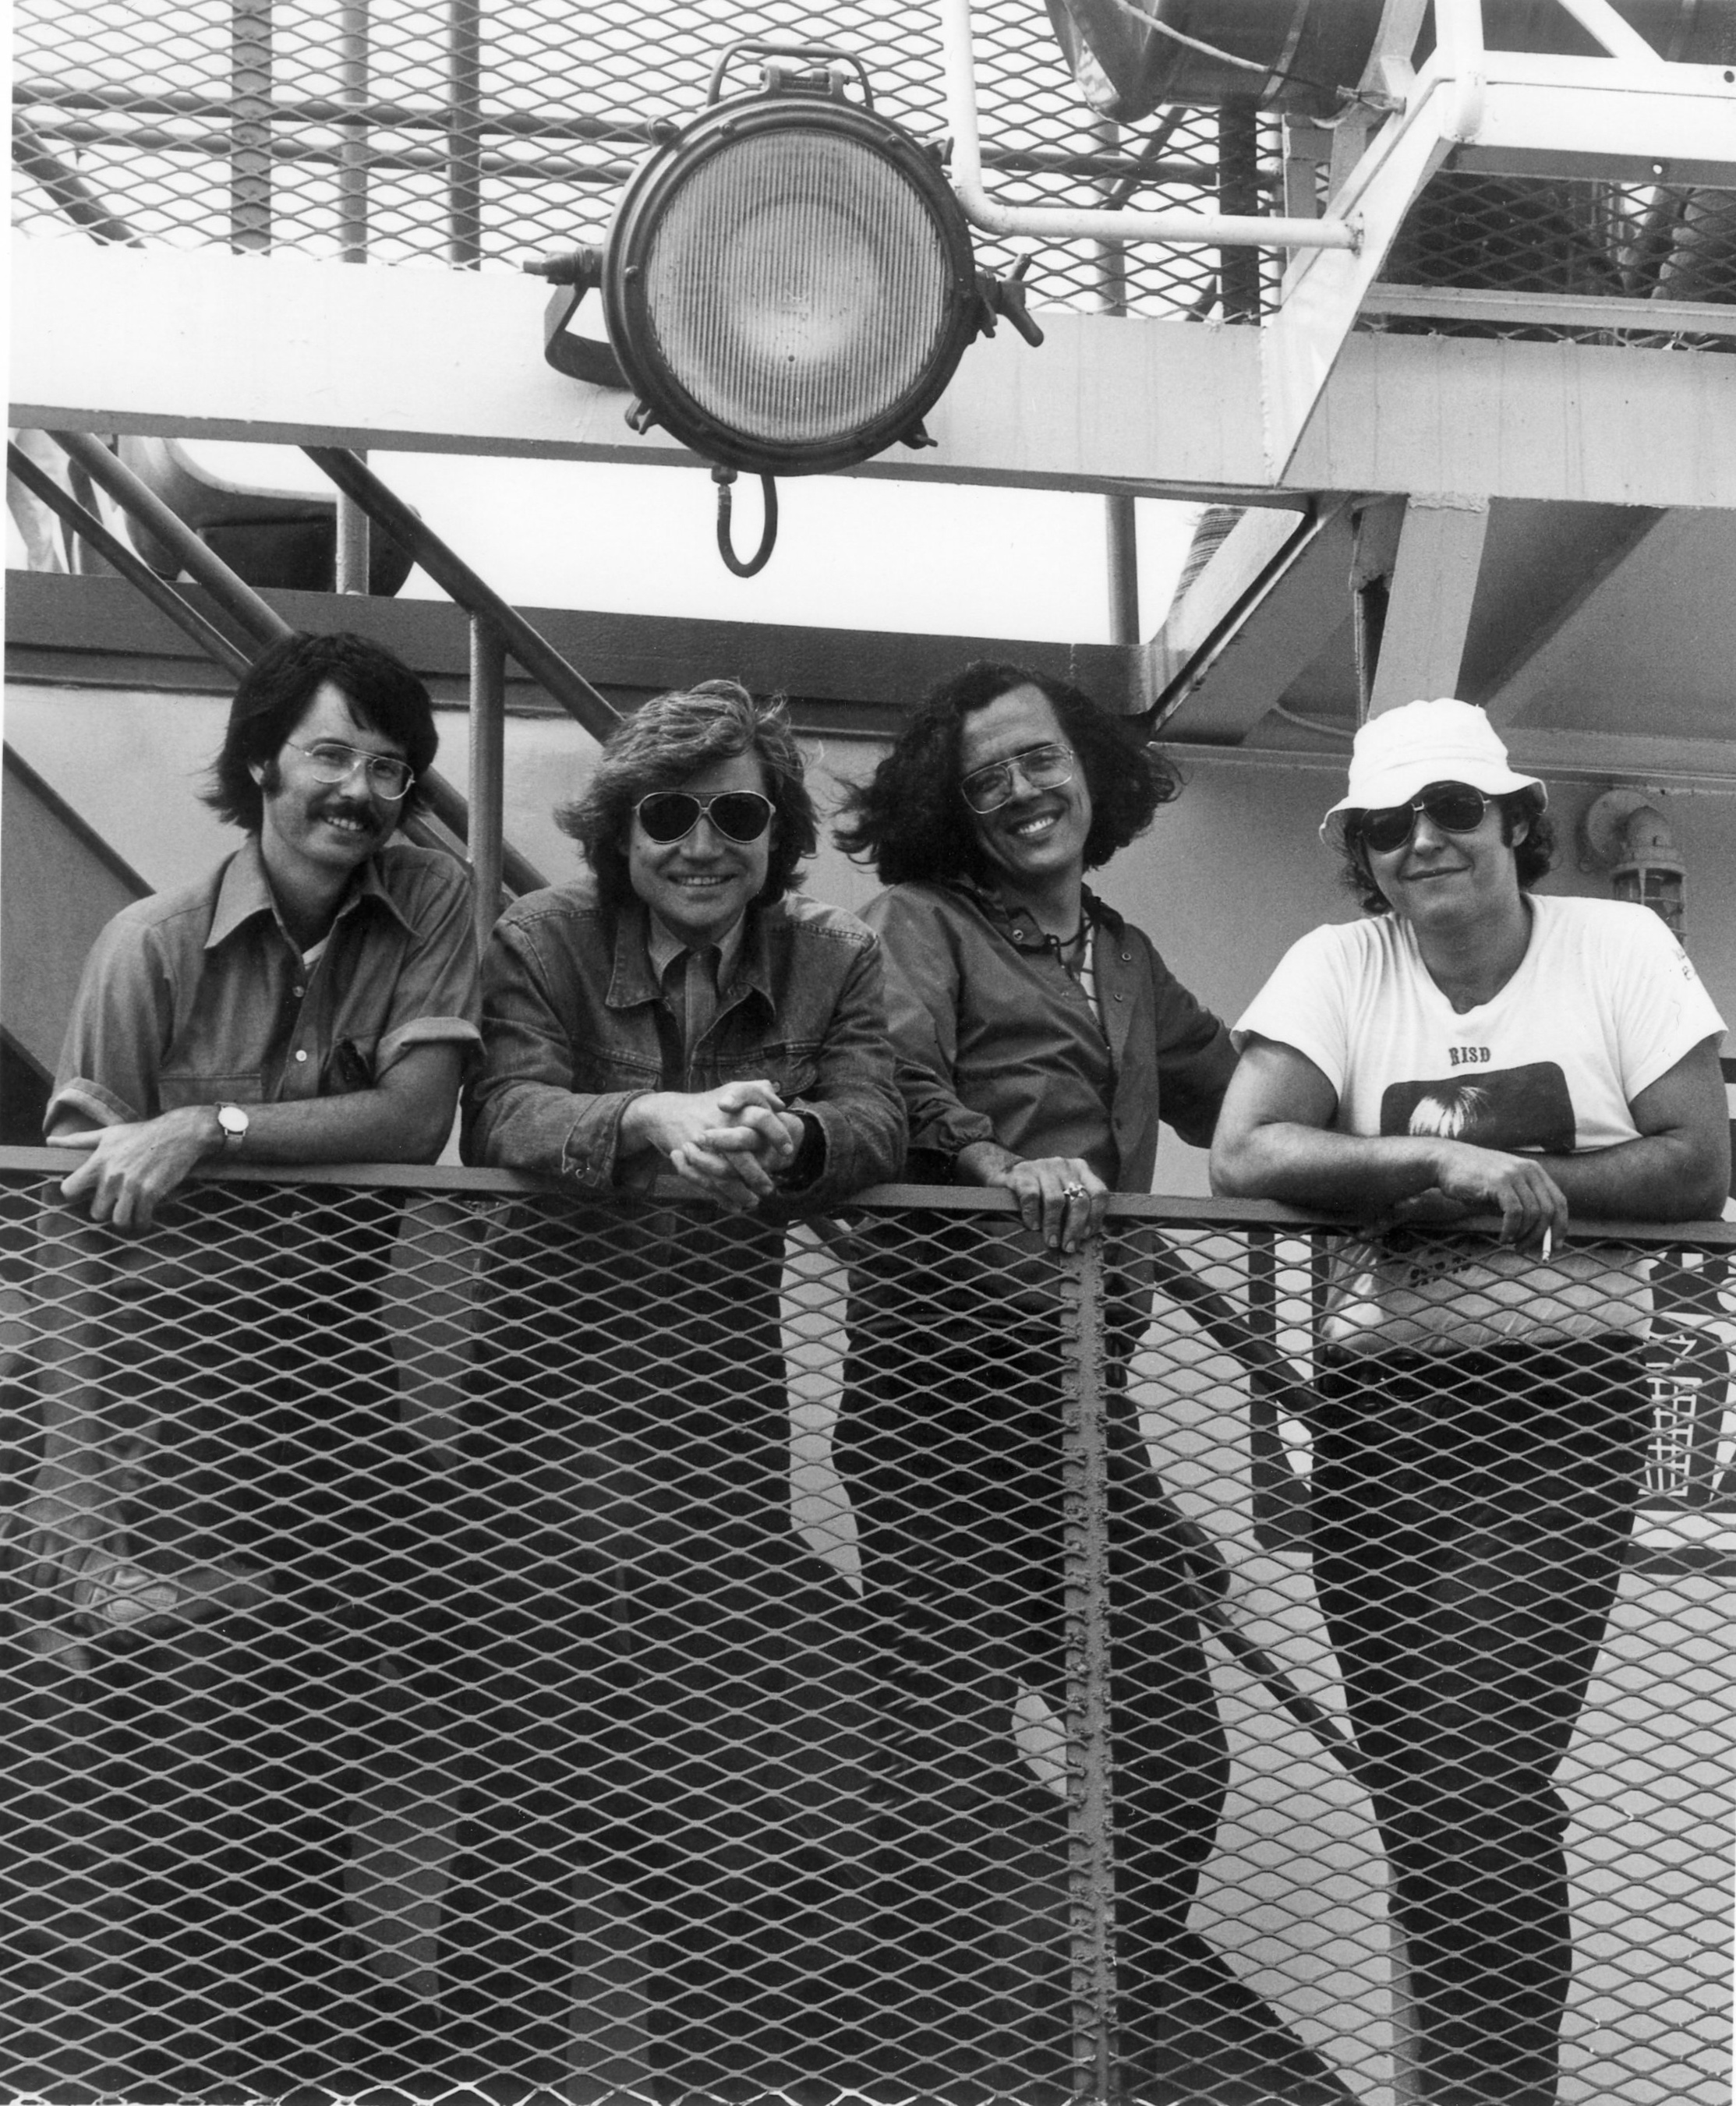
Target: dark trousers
[
  {"x": 178, "y": 1815},
  {"x": 1471, "y": 1516},
  {"x": 950, "y": 1449},
  {"x": 666, "y": 1704}
]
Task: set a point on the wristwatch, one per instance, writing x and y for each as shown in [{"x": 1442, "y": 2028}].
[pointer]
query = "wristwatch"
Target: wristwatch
[{"x": 233, "y": 1121}]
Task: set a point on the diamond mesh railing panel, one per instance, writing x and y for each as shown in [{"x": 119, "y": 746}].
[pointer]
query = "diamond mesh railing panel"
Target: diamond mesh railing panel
[
  {"x": 1629, "y": 245},
  {"x": 469, "y": 134},
  {"x": 498, "y": 1642}
]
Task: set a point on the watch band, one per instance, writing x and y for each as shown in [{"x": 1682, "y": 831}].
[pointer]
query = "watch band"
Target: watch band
[{"x": 234, "y": 1122}]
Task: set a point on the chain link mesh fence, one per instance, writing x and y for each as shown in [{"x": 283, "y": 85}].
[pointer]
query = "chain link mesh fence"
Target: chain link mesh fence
[{"x": 496, "y": 1642}]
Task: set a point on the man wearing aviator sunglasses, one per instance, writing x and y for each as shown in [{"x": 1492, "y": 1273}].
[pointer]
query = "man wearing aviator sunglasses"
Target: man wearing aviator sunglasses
[
  {"x": 1473, "y": 1049},
  {"x": 699, "y": 1054}
]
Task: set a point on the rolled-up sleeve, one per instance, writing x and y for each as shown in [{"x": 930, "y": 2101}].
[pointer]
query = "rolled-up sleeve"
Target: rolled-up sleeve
[
  {"x": 521, "y": 1110},
  {"x": 1195, "y": 1059},
  {"x": 436, "y": 996},
  {"x": 121, "y": 1020},
  {"x": 855, "y": 1098},
  {"x": 923, "y": 974}
]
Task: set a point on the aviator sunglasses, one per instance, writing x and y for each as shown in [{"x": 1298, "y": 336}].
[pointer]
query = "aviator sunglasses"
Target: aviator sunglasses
[
  {"x": 671, "y": 815},
  {"x": 985, "y": 790},
  {"x": 1454, "y": 807}
]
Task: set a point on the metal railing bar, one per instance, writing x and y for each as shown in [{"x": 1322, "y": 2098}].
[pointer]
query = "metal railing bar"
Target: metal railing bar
[
  {"x": 885, "y": 1199},
  {"x": 1091, "y": 1860},
  {"x": 38, "y": 93},
  {"x": 373, "y": 160},
  {"x": 236, "y": 598},
  {"x": 74, "y": 196},
  {"x": 456, "y": 578},
  {"x": 461, "y": 123},
  {"x": 249, "y": 141},
  {"x": 137, "y": 573}
]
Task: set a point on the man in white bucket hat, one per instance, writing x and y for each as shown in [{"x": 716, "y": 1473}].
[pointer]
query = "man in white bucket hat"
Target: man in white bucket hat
[{"x": 1471, "y": 1049}]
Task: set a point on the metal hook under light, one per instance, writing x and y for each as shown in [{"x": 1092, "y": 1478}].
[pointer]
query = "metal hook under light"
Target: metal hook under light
[{"x": 756, "y": 562}]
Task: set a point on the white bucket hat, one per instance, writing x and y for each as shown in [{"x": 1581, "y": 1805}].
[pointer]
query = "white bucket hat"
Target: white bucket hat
[{"x": 1402, "y": 751}]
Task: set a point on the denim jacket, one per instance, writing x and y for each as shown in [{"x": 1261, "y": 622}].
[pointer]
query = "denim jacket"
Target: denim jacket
[{"x": 576, "y": 1026}]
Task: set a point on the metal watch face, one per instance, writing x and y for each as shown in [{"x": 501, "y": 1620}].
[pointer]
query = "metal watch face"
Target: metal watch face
[{"x": 233, "y": 1120}]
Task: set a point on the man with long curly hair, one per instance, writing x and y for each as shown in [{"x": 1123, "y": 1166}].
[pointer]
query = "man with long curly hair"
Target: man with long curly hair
[{"x": 1040, "y": 1038}]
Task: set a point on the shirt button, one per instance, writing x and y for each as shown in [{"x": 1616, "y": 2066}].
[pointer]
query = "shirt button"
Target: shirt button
[
  {"x": 300, "y": 1056},
  {"x": 1119, "y": 996},
  {"x": 299, "y": 993}
]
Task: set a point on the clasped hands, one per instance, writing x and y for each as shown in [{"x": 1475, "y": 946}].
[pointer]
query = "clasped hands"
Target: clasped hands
[{"x": 731, "y": 1143}]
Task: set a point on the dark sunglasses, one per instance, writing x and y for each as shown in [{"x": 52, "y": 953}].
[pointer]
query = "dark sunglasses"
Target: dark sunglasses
[
  {"x": 1454, "y": 807},
  {"x": 671, "y": 815}
]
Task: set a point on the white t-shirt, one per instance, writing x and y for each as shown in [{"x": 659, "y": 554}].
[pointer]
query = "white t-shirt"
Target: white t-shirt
[{"x": 1605, "y": 1002}]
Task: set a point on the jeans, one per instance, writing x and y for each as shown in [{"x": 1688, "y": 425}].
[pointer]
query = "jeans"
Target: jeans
[{"x": 1471, "y": 1513}]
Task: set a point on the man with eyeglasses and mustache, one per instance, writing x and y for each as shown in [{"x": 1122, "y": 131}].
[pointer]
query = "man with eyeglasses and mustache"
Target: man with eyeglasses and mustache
[
  {"x": 698, "y": 1055},
  {"x": 1473, "y": 1048},
  {"x": 214, "y": 1539}
]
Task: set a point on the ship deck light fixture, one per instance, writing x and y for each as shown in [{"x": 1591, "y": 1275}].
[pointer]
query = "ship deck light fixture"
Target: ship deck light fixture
[{"x": 788, "y": 283}]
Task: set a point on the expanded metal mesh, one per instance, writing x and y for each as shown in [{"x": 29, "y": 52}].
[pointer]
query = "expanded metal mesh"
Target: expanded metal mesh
[
  {"x": 473, "y": 134},
  {"x": 499, "y": 1641},
  {"x": 1621, "y": 243}
]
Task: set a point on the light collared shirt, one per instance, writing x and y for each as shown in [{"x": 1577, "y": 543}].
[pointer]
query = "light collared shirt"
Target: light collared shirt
[
  {"x": 707, "y": 969},
  {"x": 201, "y": 996}
]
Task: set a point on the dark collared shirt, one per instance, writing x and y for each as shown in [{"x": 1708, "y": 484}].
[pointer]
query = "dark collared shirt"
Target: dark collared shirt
[
  {"x": 996, "y": 1041},
  {"x": 201, "y": 996},
  {"x": 578, "y": 1024}
]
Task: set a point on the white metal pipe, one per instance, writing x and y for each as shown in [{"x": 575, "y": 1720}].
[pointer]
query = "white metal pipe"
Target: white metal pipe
[{"x": 1061, "y": 223}]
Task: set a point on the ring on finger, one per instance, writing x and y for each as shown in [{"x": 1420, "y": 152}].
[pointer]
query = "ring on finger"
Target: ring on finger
[{"x": 1073, "y": 1191}]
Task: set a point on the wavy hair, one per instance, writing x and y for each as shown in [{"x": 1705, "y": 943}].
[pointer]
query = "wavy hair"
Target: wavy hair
[
  {"x": 1533, "y": 857},
  {"x": 910, "y": 821},
  {"x": 664, "y": 743},
  {"x": 277, "y": 691}
]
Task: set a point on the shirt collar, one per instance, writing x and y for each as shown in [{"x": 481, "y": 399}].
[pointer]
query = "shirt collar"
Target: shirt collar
[
  {"x": 644, "y": 950},
  {"x": 244, "y": 891},
  {"x": 1018, "y": 928},
  {"x": 663, "y": 946}
]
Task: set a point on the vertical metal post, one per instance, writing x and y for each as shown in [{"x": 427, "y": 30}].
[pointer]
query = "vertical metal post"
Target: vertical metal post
[
  {"x": 1120, "y": 532},
  {"x": 250, "y": 124},
  {"x": 355, "y": 544},
  {"x": 464, "y": 133},
  {"x": 487, "y": 769},
  {"x": 1091, "y": 1864},
  {"x": 352, "y": 153},
  {"x": 1238, "y": 193},
  {"x": 354, "y": 69}
]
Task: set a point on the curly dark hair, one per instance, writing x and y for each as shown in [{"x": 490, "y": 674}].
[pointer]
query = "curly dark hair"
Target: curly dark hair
[
  {"x": 910, "y": 821},
  {"x": 671, "y": 739},
  {"x": 1533, "y": 857},
  {"x": 277, "y": 691}
]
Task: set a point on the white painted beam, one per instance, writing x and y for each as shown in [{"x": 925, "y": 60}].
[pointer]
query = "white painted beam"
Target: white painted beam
[
  {"x": 1300, "y": 344},
  {"x": 1254, "y": 620},
  {"x": 1606, "y": 117},
  {"x": 203, "y": 344},
  {"x": 1429, "y": 603}
]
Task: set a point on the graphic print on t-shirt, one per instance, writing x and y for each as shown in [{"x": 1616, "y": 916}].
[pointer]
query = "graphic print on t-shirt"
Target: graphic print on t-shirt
[{"x": 1526, "y": 1107}]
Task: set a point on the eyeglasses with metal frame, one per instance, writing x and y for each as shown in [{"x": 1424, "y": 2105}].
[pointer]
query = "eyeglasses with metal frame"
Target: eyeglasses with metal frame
[
  {"x": 667, "y": 816},
  {"x": 331, "y": 761},
  {"x": 985, "y": 790},
  {"x": 1456, "y": 807}
]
